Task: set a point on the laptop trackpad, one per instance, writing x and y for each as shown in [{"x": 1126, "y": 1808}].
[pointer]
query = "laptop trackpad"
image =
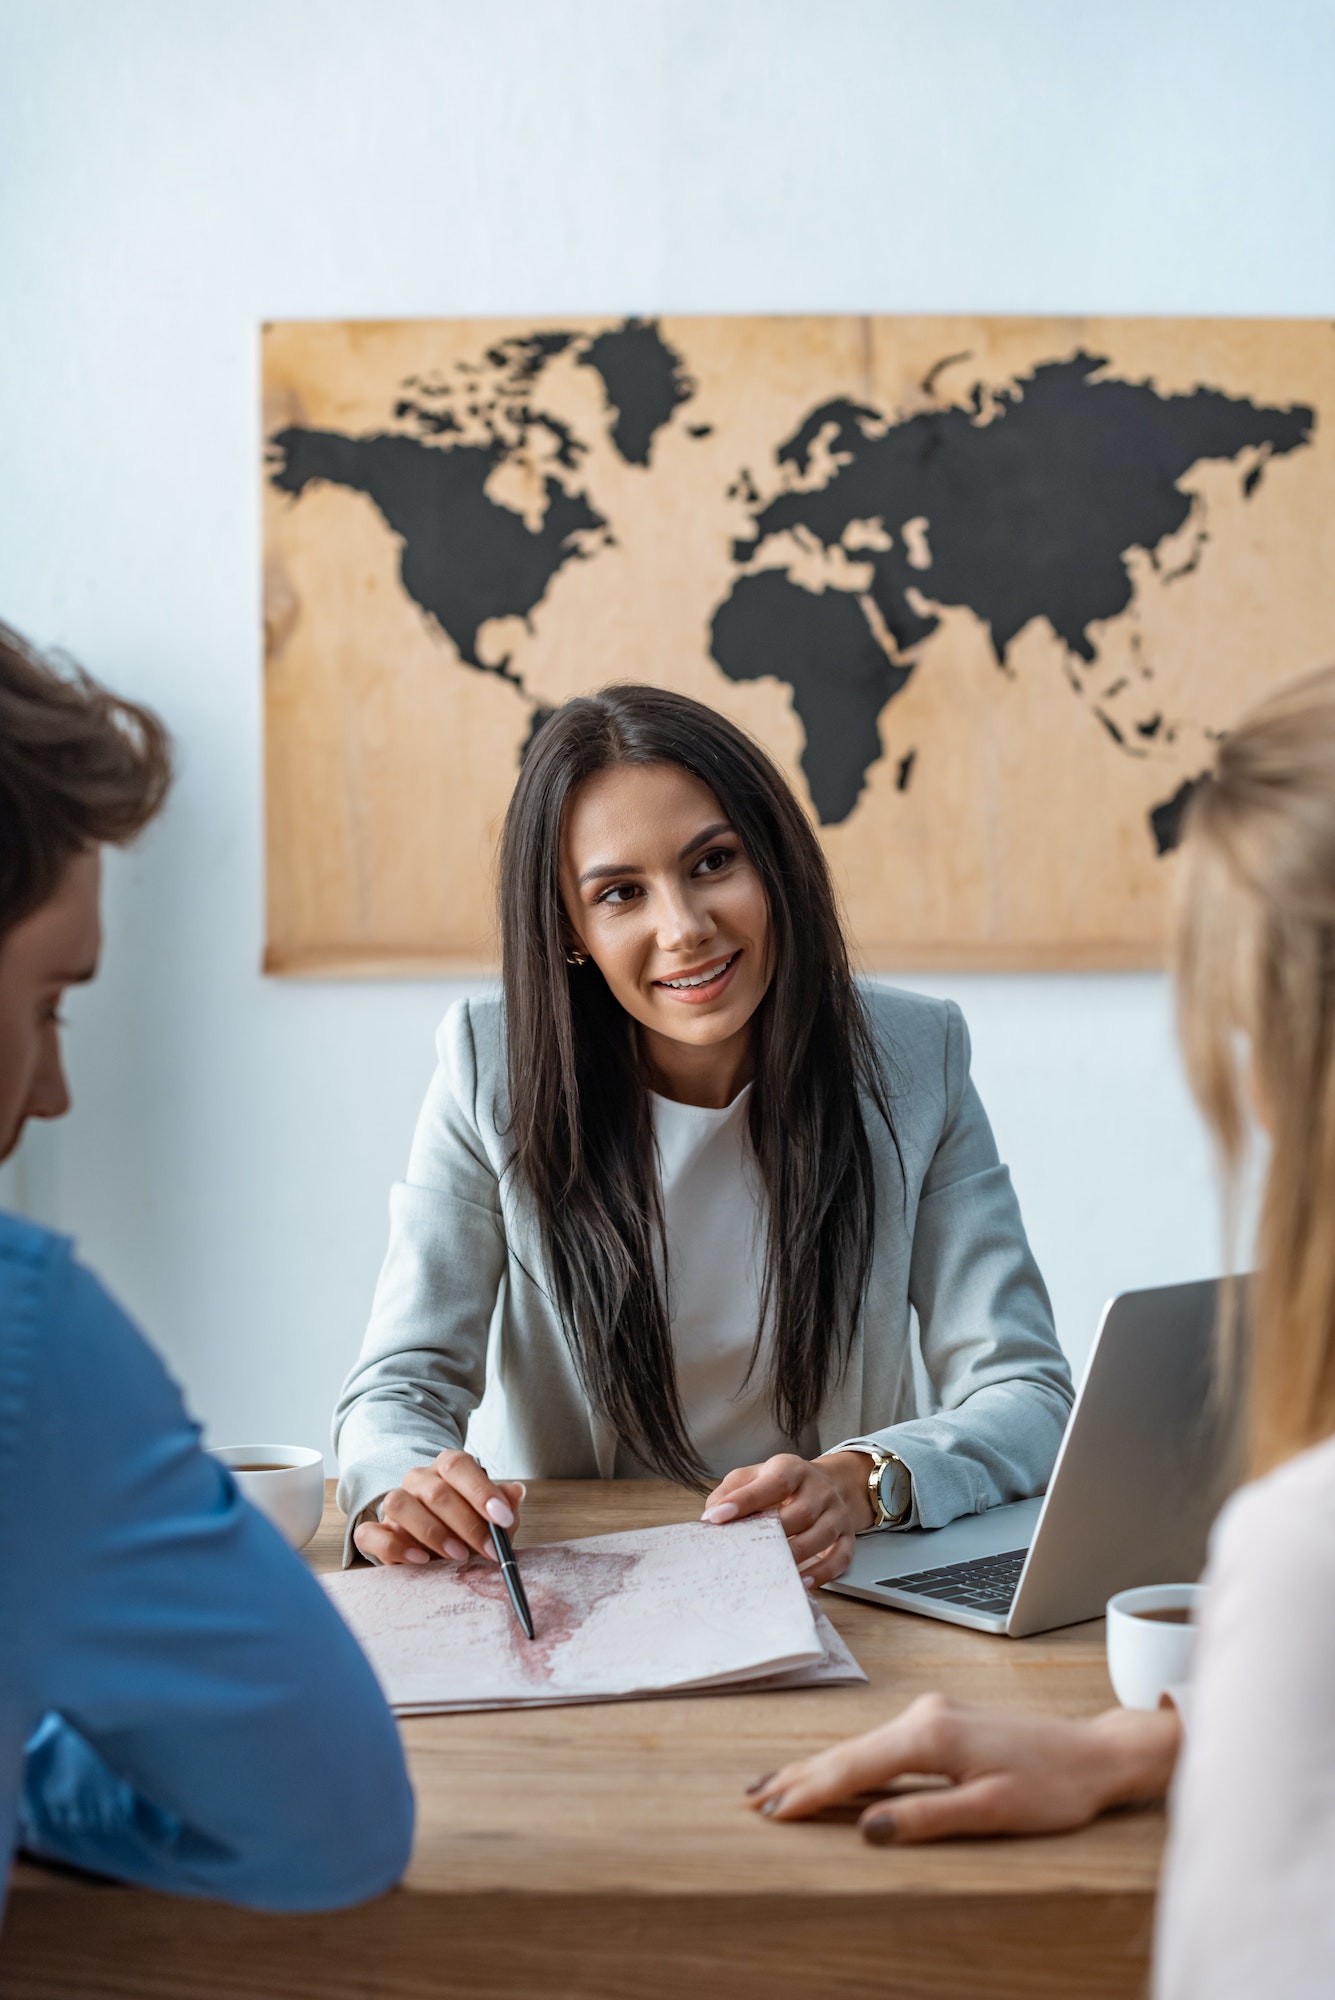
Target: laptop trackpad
[{"x": 881, "y": 1558}]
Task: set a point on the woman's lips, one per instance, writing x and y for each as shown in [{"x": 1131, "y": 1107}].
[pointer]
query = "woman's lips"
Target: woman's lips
[{"x": 695, "y": 996}]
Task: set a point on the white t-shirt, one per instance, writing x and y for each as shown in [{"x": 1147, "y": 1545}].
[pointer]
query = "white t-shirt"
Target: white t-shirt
[
  {"x": 1248, "y": 1900},
  {"x": 715, "y": 1227}
]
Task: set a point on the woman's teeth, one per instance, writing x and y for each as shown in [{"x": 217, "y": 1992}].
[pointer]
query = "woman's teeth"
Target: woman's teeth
[{"x": 699, "y": 978}]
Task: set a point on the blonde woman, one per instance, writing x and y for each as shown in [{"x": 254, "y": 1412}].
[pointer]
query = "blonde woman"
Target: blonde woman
[{"x": 1248, "y": 1898}]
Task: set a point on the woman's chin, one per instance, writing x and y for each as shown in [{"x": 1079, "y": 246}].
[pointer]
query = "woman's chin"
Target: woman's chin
[{"x": 702, "y": 1027}]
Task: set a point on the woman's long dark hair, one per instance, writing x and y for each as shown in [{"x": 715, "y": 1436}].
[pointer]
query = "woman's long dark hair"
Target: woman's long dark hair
[{"x": 580, "y": 1115}]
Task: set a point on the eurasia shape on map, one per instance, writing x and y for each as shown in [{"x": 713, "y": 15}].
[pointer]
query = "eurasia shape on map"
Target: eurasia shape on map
[{"x": 1021, "y": 506}]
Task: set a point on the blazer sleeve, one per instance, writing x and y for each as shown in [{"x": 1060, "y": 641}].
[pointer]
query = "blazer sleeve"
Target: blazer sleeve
[
  {"x": 1000, "y": 1380},
  {"x": 422, "y": 1367}
]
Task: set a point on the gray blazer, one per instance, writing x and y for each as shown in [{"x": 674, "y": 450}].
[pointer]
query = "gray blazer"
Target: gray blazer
[{"x": 459, "y": 1308}]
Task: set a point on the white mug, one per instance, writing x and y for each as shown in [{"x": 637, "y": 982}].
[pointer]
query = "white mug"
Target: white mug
[
  {"x": 1147, "y": 1652},
  {"x": 285, "y": 1481}
]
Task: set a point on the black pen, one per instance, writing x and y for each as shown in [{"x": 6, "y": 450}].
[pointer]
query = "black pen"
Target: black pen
[{"x": 500, "y": 1541}]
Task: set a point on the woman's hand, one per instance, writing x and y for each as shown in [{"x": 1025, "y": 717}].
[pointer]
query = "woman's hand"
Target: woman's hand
[
  {"x": 822, "y": 1503},
  {"x": 441, "y": 1509},
  {"x": 1008, "y": 1772}
]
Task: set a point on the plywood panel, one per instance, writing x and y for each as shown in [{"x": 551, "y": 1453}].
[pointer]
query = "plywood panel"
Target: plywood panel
[{"x": 988, "y": 589}]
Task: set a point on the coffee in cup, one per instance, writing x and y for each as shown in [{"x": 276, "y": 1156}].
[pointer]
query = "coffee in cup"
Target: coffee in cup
[
  {"x": 1151, "y": 1633},
  {"x": 286, "y": 1482}
]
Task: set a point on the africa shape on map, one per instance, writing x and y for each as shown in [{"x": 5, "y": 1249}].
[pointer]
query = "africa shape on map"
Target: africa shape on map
[{"x": 851, "y": 537}]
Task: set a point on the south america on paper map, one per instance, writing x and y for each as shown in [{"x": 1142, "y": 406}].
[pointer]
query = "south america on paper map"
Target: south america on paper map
[{"x": 988, "y": 589}]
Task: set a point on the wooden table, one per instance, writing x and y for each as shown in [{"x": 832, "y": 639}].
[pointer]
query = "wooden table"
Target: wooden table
[{"x": 604, "y": 1852}]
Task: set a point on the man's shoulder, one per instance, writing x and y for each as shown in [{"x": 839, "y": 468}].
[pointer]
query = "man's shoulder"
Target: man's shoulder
[
  {"x": 27, "y": 1246},
  {"x": 31, "y": 1259},
  {"x": 51, "y": 1302}
]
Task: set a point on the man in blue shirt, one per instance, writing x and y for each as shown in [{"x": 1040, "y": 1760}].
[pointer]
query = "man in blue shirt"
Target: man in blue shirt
[{"x": 179, "y": 1703}]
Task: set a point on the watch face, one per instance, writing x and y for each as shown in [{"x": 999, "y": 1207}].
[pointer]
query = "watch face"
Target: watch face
[{"x": 896, "y": 1488}]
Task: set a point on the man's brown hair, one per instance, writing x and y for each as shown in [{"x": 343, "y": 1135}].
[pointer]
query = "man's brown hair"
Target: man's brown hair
[{"x": 78, "y": 766}]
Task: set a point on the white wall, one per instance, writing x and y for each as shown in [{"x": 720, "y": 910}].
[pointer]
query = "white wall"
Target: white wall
[{"x": 171, "y": 175}]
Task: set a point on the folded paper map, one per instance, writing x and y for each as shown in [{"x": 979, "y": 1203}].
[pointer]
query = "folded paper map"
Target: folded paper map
[{"x": 652, "y": 1611}]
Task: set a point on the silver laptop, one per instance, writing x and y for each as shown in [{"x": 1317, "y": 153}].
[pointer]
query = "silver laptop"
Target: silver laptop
[{"x": 1147, "y": 1460}]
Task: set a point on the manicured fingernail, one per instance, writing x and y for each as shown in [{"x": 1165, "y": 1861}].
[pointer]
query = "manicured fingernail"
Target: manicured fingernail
[
  {"x": 456, "y": 1551},
  {"x": 771, "y": 1806},
  {"x": 758, "y": 1784},
  {"x": 416, "y": 1556},
  {"x": 498, "y": 1512},
  {"x": 810, "y": 1582},
  {"x": 880, "y": 1830},
  {"x": 726, "y": 1510}
]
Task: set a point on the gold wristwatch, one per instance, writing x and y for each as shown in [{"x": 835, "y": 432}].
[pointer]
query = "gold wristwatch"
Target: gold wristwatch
[{"x": 887, "y": 1467}]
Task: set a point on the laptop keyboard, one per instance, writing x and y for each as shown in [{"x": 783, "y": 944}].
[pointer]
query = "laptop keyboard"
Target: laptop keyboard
[{"x": 986, "y": 1585}]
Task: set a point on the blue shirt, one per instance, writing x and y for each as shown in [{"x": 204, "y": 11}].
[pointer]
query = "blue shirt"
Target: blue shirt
[{"x": 180, "y": 1705}]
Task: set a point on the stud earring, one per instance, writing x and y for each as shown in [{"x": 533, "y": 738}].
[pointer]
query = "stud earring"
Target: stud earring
[{"x": 577, "y": 958}]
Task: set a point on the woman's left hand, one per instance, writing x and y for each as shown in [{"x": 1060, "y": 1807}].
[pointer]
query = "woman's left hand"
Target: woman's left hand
[
  {"x": 1008, "y": 1772},
  {"x": 822, "y": 1504}
]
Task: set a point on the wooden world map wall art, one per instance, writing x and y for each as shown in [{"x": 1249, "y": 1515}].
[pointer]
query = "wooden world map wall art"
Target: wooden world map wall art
[{"x": 988, "y": 589}]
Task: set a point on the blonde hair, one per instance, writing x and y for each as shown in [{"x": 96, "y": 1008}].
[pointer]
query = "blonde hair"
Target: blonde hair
[{"x": 1255, "y": 965}]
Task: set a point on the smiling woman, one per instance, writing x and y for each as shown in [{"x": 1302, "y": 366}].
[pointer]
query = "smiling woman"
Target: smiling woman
[
  {"x": 674, "y": 1202},
  {"x": 680, "y": 932}
]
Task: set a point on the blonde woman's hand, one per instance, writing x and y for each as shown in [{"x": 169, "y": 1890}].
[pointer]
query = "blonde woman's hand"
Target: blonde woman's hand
[
  {"x": 1007, "y": 1772},
  {"x": 822, "y": 1503},
  {"x": 442, "y": 1509}
]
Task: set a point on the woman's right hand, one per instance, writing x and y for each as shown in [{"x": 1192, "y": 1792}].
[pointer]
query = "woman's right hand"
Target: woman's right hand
[{"x": 442, "y": 1509}]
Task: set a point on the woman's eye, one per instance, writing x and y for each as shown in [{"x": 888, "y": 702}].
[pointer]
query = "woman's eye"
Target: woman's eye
[
  {"x": 717, "y": 857},
  {"x": 619, "y": 893}
]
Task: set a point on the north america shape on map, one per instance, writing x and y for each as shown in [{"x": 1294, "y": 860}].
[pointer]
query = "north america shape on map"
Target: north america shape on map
[{"x": 1021, "y": 505}]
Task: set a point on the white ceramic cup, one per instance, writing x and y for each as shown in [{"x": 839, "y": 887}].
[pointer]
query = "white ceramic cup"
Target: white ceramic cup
[
  {"x": 1148, "y": 1655},
  {"x": 290, "y": 1490}
]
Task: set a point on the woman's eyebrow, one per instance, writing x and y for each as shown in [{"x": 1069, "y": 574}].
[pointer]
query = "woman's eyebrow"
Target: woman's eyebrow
[
  {"x": 601, "y": 869},
  {"x": 702, "y": 839}
]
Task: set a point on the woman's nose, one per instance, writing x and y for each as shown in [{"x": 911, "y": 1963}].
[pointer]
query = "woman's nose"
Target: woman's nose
[{"x": 683, "y": 923}]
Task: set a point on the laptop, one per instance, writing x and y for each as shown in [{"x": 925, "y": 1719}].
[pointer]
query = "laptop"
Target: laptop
[{"x": 1148, "y": 1458}]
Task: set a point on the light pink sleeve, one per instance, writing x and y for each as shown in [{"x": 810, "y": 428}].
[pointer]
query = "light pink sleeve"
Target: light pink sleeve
[{"x": 1248, "y": 1896}]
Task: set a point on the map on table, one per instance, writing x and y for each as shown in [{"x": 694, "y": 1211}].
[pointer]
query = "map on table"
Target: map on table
[
  {"x": 988, "y": 589},
  {"x": 653, "y": 1611}
]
